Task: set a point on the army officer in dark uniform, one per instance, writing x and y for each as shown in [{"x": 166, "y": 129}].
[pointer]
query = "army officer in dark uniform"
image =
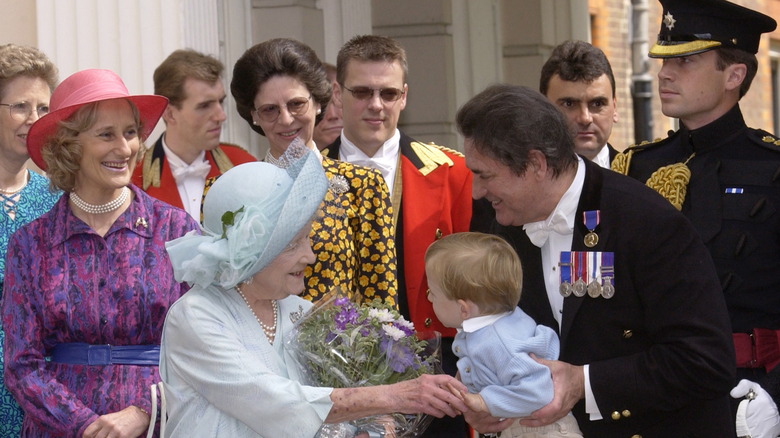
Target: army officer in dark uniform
[{"x": 724, "y": 176}]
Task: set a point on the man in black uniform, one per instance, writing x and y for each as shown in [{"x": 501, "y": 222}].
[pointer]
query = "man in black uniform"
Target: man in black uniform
[{"x": 724, "y": 176}]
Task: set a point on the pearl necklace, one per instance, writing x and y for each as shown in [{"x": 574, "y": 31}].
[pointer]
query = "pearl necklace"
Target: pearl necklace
[
  {"x": 100, "y": 208},
  {"x": 269, "y": 331},
  {"x": 11, "y": 192}
]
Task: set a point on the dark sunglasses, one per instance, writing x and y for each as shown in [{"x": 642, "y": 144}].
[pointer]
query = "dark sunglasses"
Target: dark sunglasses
[{"x": 365, "y": 93}]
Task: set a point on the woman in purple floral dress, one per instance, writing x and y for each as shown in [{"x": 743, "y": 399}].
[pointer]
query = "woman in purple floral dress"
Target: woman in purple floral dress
[{"x": 88, "y": 284}]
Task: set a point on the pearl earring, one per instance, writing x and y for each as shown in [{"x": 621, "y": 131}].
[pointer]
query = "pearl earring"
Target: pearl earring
[{"x": 319, "y": 111}]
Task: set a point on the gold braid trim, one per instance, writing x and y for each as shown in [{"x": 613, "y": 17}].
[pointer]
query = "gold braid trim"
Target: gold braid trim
[
  {"x": 672, "y": 182},
  {"x": 221, "y": 159},
  {"x": 151, "y": 171},
  {"x": 431, "y": 157},
  {"x": 622, "y": 161}
]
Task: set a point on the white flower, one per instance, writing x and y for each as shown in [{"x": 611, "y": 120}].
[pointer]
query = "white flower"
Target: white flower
[
  {"x": 382, "y": 315},
  {"x": 406, "y": 324},
  {"x": 394, "y": 332}
]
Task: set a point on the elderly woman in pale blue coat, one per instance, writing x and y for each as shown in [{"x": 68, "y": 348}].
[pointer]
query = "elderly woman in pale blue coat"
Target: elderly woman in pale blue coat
[{"x": 224, "y": 364}]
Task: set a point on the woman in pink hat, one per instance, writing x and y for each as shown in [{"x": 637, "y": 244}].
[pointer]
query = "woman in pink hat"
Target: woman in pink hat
[{"x": 88, "y": 284}]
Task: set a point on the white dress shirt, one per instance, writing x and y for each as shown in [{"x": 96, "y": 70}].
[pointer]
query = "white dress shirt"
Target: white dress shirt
[
  {"x": 602, "y": 158},
  {"x": 385, "y": 160},
  {"x": 551, "y": 253},
  {"x": 190, "y": 179}
]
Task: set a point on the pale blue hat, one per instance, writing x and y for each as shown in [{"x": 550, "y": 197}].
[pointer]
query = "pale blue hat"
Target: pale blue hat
[{"x": 269, "y": 205}]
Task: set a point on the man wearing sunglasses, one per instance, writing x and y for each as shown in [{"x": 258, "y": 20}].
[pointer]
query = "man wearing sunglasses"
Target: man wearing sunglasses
[
  {"x": 176, "y": 167},
  {"x": 430, "y": 186}
]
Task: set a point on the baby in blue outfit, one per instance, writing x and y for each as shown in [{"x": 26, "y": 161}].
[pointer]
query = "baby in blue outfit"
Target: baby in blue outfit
[{"x": 475, "y": 281}]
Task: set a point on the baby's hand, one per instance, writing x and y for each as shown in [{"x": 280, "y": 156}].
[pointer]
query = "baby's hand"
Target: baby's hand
[{"x": 473, "y": 401}]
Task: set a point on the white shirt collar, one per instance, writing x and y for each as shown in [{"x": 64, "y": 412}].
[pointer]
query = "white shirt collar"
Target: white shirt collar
[
  {"x": 175, "y": 162},
  {"x": 387, "y": 153},
  {"x": 602, "y": 158},
  {"x": 385, "y": 160},
  {"x": 473, "y": 324},
  {"x": 567, "y": 205}
]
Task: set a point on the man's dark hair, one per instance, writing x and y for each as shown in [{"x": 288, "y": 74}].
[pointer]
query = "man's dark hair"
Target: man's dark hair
[
  {"x": 576, "y": 61},
  {"x": 505, "y": 122},
  {"x": 729, "y": 55}
]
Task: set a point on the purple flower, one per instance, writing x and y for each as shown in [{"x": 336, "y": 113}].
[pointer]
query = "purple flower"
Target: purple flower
[
  {"x": 408, "y": 331},
  {"x": 347, "y": 315},
  {"x": 399, "y": 356}
]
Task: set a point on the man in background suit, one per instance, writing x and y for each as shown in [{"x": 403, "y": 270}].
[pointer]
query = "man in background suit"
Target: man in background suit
[
  {"x": 578, "y": 79},
  {"x": 430, "y": 186},
  {"x": 175, "y": 168},
  {"x": 613, "y": 268}
]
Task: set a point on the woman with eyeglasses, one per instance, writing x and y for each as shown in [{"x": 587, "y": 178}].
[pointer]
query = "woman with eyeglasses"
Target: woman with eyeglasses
[
  {"x": 281, "y": 87},
  {"x": 27, "y": 78}
]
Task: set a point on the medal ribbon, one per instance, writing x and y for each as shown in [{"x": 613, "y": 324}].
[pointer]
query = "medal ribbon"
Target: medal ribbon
[
  {"x": 591, "y": 219},
  {"x": 593, "y": 273},
  {"x": 582, "y": 266},
  {"x": 607, "y": 267},
  {"x": 566, "y": 267}
]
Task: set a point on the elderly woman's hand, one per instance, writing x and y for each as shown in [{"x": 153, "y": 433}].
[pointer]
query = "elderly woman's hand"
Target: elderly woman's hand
[
  {"x": 130, "y": 422},
  {"x": 429, "y": 394}
]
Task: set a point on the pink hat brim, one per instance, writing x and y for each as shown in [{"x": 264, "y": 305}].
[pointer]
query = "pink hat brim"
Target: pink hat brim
[{"x": 106, "y": 86}]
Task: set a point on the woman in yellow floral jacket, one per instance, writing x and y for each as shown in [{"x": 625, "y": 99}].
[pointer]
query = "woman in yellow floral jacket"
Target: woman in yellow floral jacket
[{"x": 281, "y": 89}]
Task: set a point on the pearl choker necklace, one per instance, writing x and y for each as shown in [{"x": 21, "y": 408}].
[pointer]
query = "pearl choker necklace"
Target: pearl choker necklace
[
  {"x": 100, "y": 208},
  {"x": 269, "y": 331},
  {"x": 11, "y": 192}
]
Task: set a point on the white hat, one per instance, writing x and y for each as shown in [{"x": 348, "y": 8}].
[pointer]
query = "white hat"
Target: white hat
[{"x": 250, "y": 214}]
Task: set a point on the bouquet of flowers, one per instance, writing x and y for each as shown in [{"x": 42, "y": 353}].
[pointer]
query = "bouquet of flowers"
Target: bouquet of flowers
[{"x": 341, "y": 344}]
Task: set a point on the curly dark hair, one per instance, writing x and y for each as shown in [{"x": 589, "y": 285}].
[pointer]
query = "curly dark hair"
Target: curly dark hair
[
  {"x": 505, "y": 122},
  {"x": 277, "y": 57},
  {"x": 576, "y": 61}
]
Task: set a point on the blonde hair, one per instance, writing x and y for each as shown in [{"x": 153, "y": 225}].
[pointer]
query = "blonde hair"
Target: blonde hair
[
  {"x": 478, "y": 267},
  {"x": 62, "y": 151},
  {"x": 16, "y": 61}
]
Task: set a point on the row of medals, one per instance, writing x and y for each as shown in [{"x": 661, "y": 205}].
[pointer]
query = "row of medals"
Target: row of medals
[{"x": 594, "y": 289}]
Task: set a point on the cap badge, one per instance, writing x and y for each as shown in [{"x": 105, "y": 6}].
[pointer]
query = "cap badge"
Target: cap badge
[{"x": 669, "y": 21}]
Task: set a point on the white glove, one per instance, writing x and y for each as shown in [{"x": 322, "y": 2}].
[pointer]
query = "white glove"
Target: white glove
[{"x": 757, "y": 417}]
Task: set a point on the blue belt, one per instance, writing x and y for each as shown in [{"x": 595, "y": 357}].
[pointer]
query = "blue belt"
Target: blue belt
[{"x": 79, "y": 353}]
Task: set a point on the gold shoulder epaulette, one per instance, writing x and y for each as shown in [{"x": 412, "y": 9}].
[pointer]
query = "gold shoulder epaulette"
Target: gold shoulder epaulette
[
  {"x": 771, "y": 139},
  {"x": 446, "y": 149},
  {"x": 221, "y": 159},
  {"x": 622, "y": 161},
  {"x": 431, "y": 156},
  {"x": 151, "y": 171}
]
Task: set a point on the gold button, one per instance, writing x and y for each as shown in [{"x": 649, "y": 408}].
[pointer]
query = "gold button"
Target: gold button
[
  {"x": 627, "y": 334},
  {"x": 626, "y": 413},
  {"x": 457, "y": 349},
  {"x": 427, "y": 292},
  {"x": 468, "y": 369},
  {"x": 438, "y": 233},
  {"x": 616, "y": 415},
  {"x": 428, "y": 322}
]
